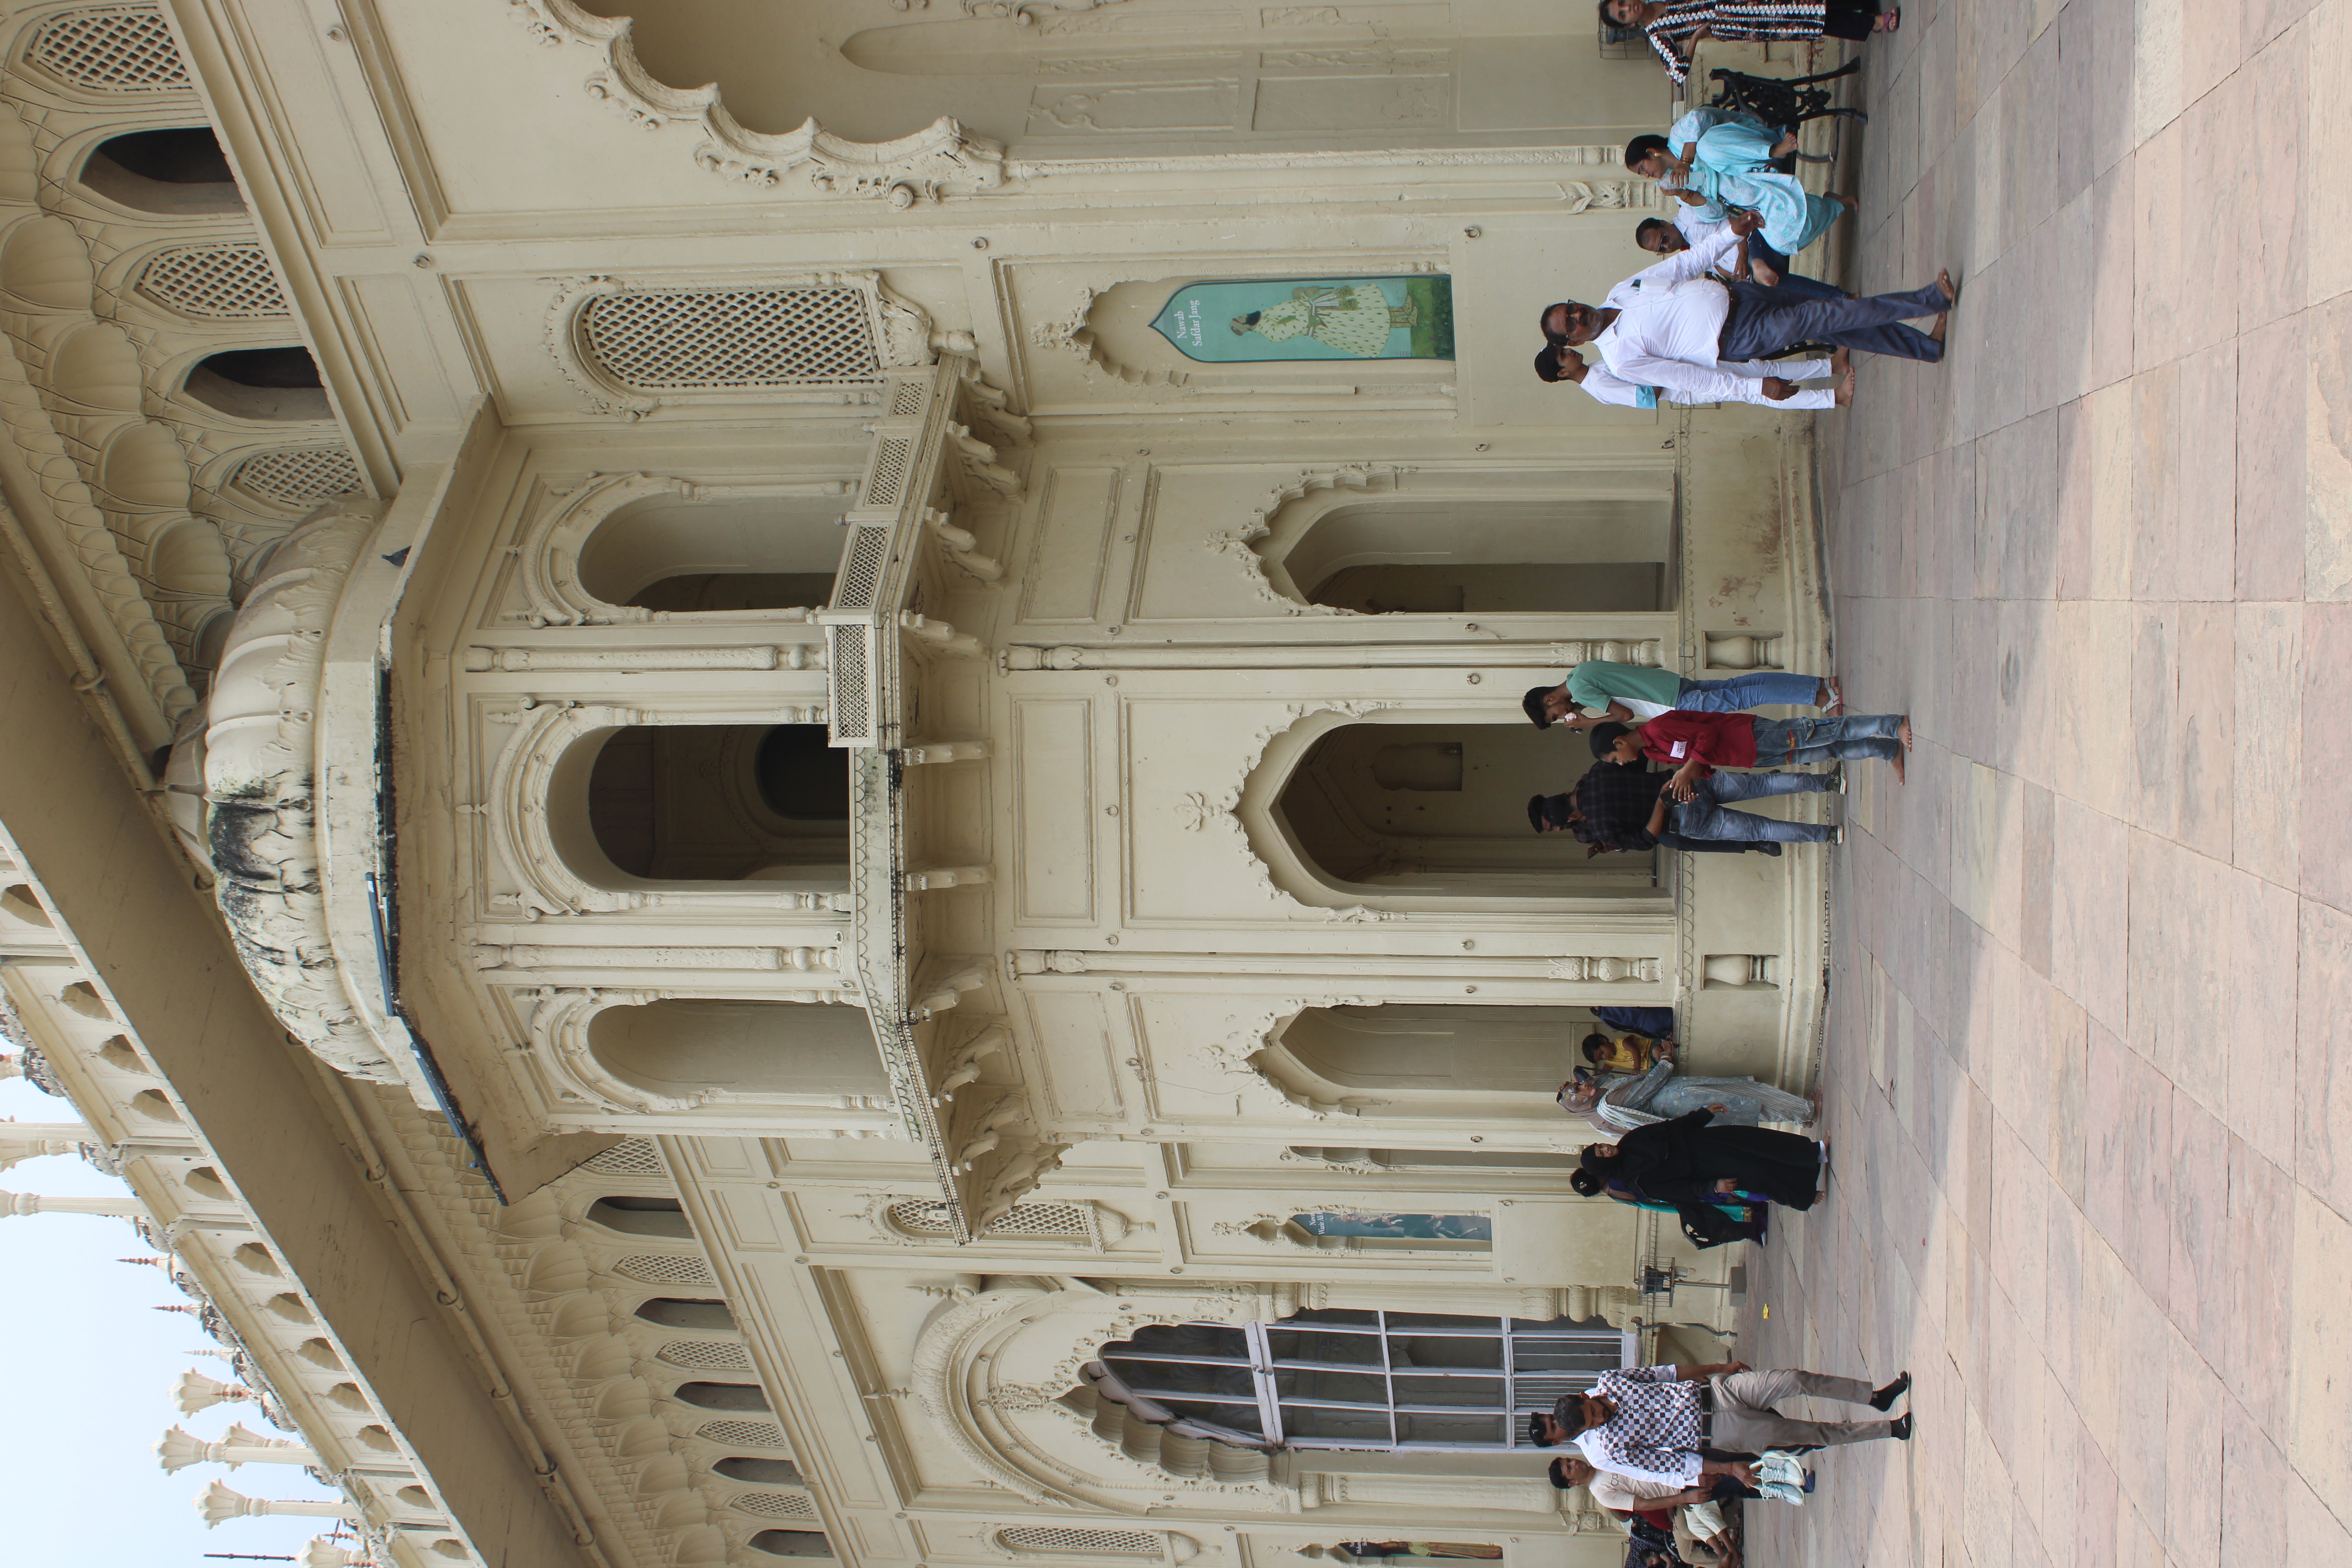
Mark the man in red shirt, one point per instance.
(1696, 744)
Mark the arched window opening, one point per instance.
(1409, 555)
(717, 802)
(1346, 1378)
(791, 1544)
(1442, 809)
(725, 1396)
(760, 1472)
(643, 1217)
(274, 384)
(1409, 1059)
(686, 1045)
(177, 172)
(682, 556)
(677, 1312)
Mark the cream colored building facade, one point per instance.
(801, 823)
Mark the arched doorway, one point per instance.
(684, 1046)
(670, 552)
(718, 802)
(1405, 554)
(1439, 810)
(1445, 1061)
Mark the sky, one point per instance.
(86, 1390)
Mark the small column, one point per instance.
(197, 1392)
(325, 1552)
(178, 1449)
(217, 1503)
(32, 1139)
(32, 1203)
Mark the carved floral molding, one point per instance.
(939, 160)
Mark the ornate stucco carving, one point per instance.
(258, 763)
(992, 1368)
(1242, 543)
(939, 160)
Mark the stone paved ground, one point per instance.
(2089, 1073)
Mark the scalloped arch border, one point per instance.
(937, 160)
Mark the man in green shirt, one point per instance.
(1598, 692)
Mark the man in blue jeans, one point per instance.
(1769, 267)
(1600, 692)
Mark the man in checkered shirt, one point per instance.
(1678, 1423)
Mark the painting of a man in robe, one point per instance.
(1295, 319)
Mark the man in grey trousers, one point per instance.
(1676, 1423)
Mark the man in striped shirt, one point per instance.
(1671, 27)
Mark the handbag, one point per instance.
(1706, 1225)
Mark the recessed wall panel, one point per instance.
(1054, 806)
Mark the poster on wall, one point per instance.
(1398, 1227)
(1231, 321)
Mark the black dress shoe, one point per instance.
(1900, 1427)
(1886, 1397)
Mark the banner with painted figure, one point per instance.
(1232, 322)
(1397, 1227)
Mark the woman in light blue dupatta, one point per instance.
(1730, 164)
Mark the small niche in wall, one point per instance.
(177, 172)
(206, 1183)
(272, 384)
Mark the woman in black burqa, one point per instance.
(1687, 1161)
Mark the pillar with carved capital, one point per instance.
(178, 1448)
(217, 1503)
(21, 1140)
(34, 1203)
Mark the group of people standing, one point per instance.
(1665, 1446)
(1712, 322)
(1635, 714)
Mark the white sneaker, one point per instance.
(1839, 777)
(1837, 834)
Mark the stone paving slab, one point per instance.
(2088, 1073)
